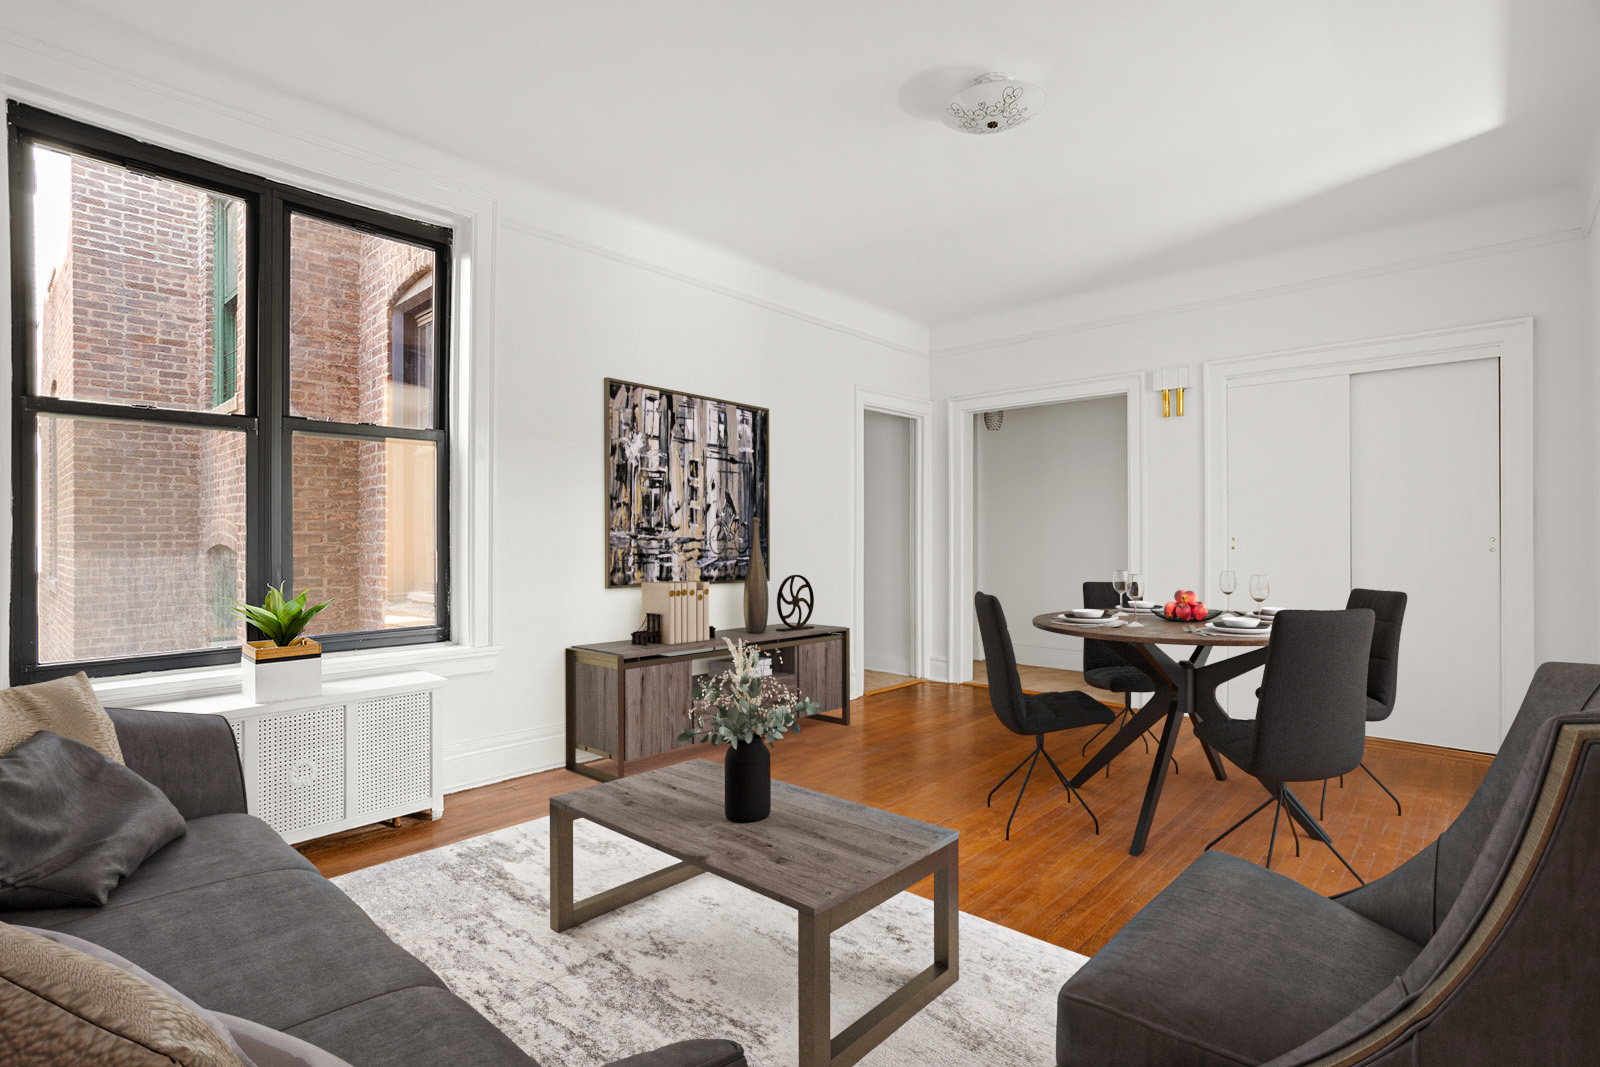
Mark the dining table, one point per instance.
(1182, 687)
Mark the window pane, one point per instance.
(365, 532)
(141, 538)
(139, 287)
(361, 337)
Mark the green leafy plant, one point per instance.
(280, 620)
(738, 705)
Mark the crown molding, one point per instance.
(75, 105)
(1571, 233)
(594, 248)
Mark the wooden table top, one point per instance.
(717, 646)
(812, 853)
(1155, 631)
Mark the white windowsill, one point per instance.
(136, 690)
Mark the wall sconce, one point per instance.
(1171, 383)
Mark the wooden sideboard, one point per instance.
(628, 701)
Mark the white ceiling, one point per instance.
(804, 135)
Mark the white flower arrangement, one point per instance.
(739, 705)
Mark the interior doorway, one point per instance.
(1050, 512)
(888, 527)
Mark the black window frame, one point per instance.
(263, 346)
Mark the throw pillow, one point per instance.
(65, 706)
(211, 1018)
(59, 1005)
(73, 824)
(256, 1045)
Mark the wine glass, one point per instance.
(1260, 589)
(1119, 582)
(1228, 583)
(1135, 592)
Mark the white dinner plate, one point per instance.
(1089, 622)
(1225, 631)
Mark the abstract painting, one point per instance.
(686, 480)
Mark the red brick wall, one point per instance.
(130, 514)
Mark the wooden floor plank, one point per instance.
(932, 751)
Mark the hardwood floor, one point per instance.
(882, 681)
(932, 751)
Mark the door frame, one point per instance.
(1511, 342)
(920, 413)
(960, 532)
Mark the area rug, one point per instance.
(704, 958)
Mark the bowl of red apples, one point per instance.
(1185, 606)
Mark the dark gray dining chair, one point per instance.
(1383, 669)
(1311, 719)
(1104, 669)
(1029, 714)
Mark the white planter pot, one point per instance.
(270, 673)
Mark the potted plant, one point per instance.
(747, 712)
(285, 665)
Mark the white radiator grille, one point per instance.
(394, 753)
(300, 768)
(238, 735)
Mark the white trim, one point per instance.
(959, 533)
(594, 248)
(471, 216)
(157, 687)
(885, 665)
(920, 412)
(484, 760)
(1511, 342)
(1246, 296)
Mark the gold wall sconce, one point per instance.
(1171, 382)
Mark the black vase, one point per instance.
(747, 782)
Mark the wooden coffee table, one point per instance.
(831, 860)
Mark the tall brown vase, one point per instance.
(755, 585)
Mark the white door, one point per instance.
(1425, 518)
(1288, 500)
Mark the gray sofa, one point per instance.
(1483, 949)
(243, 924)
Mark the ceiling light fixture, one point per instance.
(993, 104)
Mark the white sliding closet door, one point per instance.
(1288, 500)
(1425, 518)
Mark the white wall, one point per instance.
(885, 640)
(555, 296)
(1525, 258)
(1050, 496)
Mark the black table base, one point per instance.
(1183, 687)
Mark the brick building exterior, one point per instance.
(142, 535)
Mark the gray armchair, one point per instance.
(1480, 950)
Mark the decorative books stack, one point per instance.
(684, 608)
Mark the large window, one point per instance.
(220, 383)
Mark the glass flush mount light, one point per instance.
(994, 103)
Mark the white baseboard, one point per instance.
(494, 759)
(886, 664)
(1047, 655)
(939, 669)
